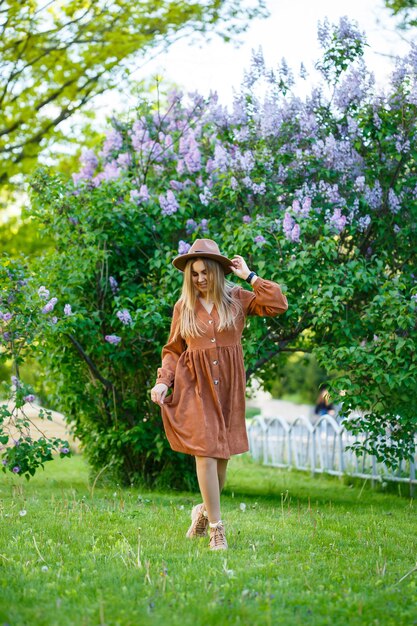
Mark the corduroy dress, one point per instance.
(205, 414)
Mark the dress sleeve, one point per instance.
(266, 299)
(171, 352)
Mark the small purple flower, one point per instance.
(16, 469)
(135, 195)
(183, 247)
(29, 398)
(114, 141)
(124, 316)
(246, 219)
(67, 309)
(168, 204)
(6, 336)
(49, 306)
(64, 450)
(15, 381)
(7, 316)
(206, 196)
(113, 284)
(290, 228)
(74, 221)
(114, 339)
(204, 226)
(414, 297)
(54, 319)
(175, 185)
(124, 159)
(43, 292)
(190, 226)
(338, 221)
(260, 240)
(4, 462)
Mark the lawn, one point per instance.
(301, 551)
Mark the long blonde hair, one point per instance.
(219, 291)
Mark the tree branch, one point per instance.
(93, 368)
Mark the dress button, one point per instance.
(210, 321)
(212, 340)
(215, 362)
(216, 382)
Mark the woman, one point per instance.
(203, 361)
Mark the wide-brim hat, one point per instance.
(204, 248)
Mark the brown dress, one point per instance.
(205, 414)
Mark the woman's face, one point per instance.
(199, 275)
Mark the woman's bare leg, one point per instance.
(209, 483)
(221, 472)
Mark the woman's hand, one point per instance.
(239, 267)
(158, 393)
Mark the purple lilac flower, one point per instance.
(73, 220)
(7, 316)
(6, 336)
(89, 162)
(29, 398)
(168, 204)
(204, 226)
(113, 284)
(16, 469)
(4, 462)
(206, 196)
(54, 319)
(397, 229)
(337, 220)
(393, 202)
(234, 184)
(124, 316)
(15, 381)
(176, 185)
(124, 159)
(374, 196)
(414, 297)
(288, 225)
(259, 240)
(111, 171)
(64, 450)
(139, 134)
(246, 219)
(43, 292)
(49, 307)
(183, 247)
(221, 158)
(67, 309)
(134, 195)
(364, 222)
(113, 142)
(190, 152)
(303, 72)
(190, 226)
(114, 339)
(360, 183)
(144, 193)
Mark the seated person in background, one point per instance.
(323, 404)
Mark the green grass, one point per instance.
(305, 551)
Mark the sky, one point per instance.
(290, 32)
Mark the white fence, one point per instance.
(319, 448)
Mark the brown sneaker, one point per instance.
(218, 538)
(199, 522)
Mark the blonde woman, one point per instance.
(203, 362)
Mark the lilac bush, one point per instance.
(319, 193)
(24, 320)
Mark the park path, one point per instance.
(57, 427)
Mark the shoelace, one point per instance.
(202, 523)
(217, 538)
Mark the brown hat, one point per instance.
(206, 248)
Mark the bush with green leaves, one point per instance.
(25, 315)
(318, 193)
